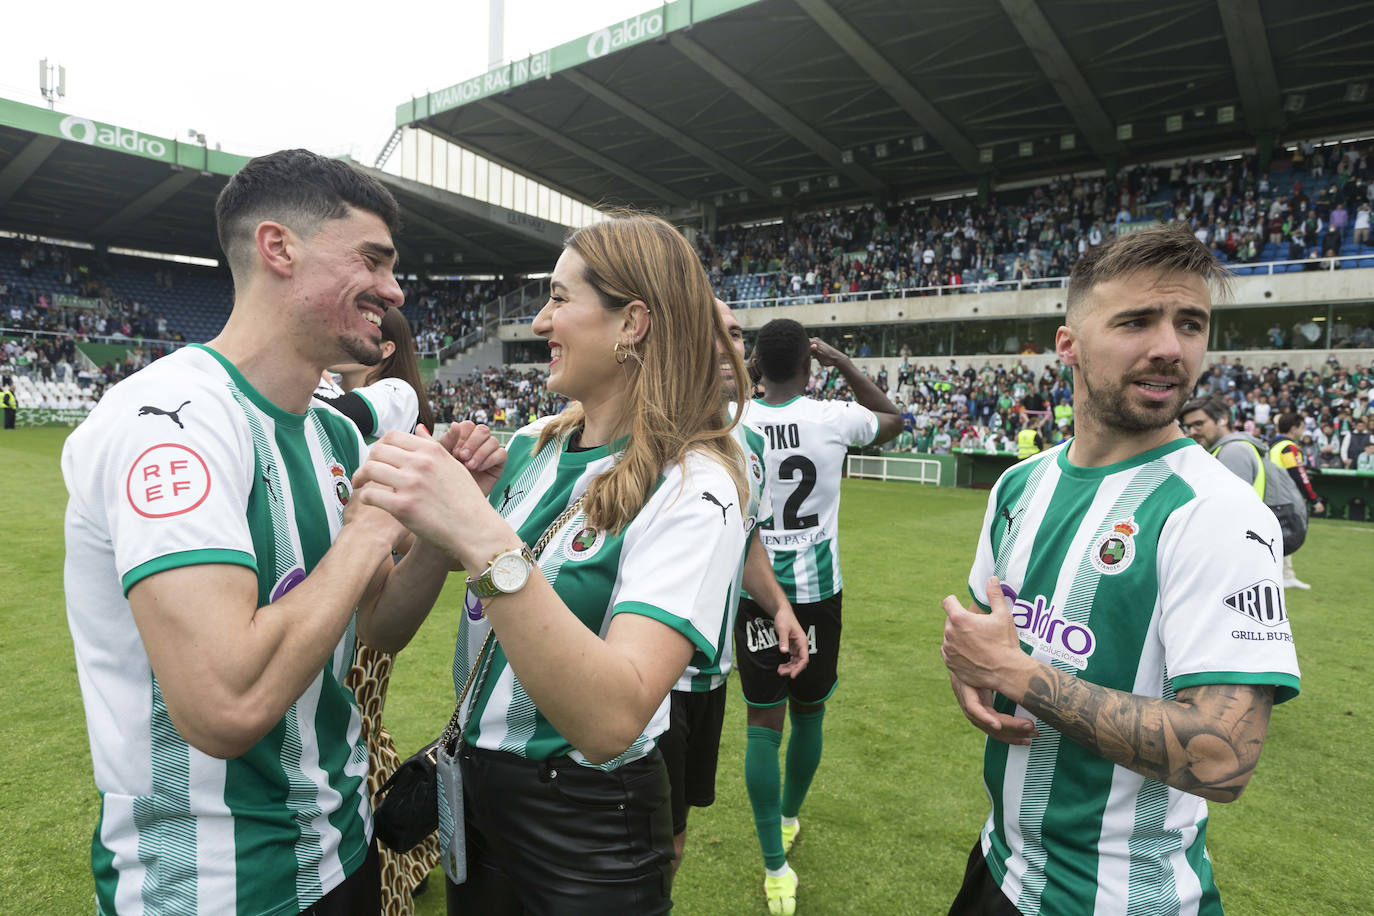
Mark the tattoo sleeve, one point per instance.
(1207, 741)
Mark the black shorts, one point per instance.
(690, 747)
(758, 658)
(554, 837)
(980, 894)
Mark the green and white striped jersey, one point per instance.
(184, 464)
(702, 679)
(1150, 575)
(674, 562)
(806, 442)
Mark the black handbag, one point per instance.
(406, 807)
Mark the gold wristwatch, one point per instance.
(508, 572)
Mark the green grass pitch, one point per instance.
(897, 802)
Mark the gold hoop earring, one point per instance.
(621, 355)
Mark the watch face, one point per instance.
(509, 572)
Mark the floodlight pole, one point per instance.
(52, 90)
(496, 34)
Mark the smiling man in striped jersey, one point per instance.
(1128, 638)
(219, 565)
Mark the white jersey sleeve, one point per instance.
(393, 403)
(853, 423)
(682, 552)
(165, 464)
(1223, 613)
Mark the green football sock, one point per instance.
(761, 779)
(803, 756)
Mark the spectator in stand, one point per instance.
(1366, 461)
(1353, 443)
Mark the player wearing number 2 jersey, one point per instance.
(1135, 638)
(805, 443)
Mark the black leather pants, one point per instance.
(552, 838)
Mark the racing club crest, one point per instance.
(585, 544)
(1113, 552)
(755, 468)
(339, 477)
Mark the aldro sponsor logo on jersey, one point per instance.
(1113, 552)
(1041, 626)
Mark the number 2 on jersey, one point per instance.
(787, 471)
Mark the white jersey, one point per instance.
(806, 442)
(1148, 576)
(390, 403)
(183, 464)
(699, 678)
(674, 562)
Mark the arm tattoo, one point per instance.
(1206, 742)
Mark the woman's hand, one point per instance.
(478, 450)
(421, 484)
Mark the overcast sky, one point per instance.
(260, 76)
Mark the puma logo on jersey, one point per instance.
(724, 519)
(505, 500)
(1006, 514)
(1268, 545)
(149, 410)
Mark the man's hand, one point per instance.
(792, 642)
(827, 355)
(434, 495)
(981, 649)
(976, 703)
(478, 451)
(370, 518)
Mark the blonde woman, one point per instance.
(567, 798)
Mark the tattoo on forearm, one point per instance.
(1207, 741)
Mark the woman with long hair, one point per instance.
(633, 493)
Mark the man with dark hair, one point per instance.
(218, 568)
(1127, 638)
(806, 442)
(1208, 421)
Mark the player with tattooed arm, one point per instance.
(1128, 638)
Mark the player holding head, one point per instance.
(219, 566)
(1124, 561)
(806, 442)
(691, 745)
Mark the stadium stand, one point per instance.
(1284, 220)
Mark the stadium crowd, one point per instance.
(1311, 206)
(88, 305)
(442, 311)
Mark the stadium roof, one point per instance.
(753, 105)
(75, 178)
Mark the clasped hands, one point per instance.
(436, 489)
